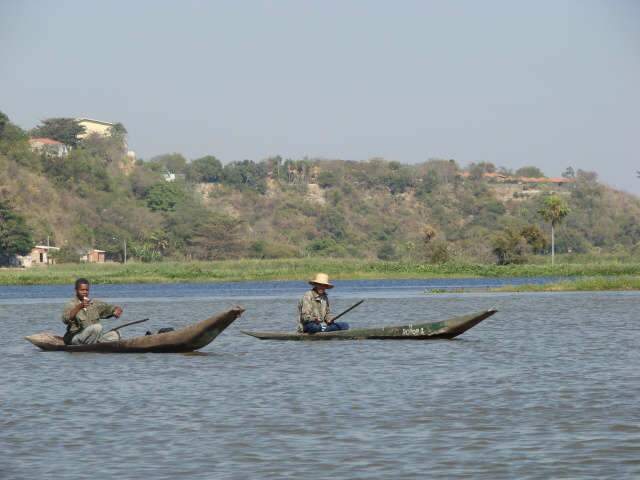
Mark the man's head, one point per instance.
(82, 288)
(321, 282)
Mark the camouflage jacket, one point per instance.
(85, 317)
(313, 306)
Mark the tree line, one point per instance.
(434, 211)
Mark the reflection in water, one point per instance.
(536, 391)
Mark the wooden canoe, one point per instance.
(187, 339)
(424, 331)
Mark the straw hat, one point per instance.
(322, 280)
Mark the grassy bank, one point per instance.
(588, 284)
(294, 269)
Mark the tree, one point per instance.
(15, 236)
(476, 171)
(530, 172)
(79, 171)
(4, 121)
(535, 238)
(65, 130)
(118, 130)
(9, 131)
(509, 246)
(569, 173)
(246, 174)
(428, 233)
(110, 149)
(165, 196)
(387, 252)
(329, 178)
(205, 235)
(171, 162)
(206, 170)
(554, 210)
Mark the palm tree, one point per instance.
(554, 210)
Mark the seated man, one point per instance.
(314, 311)
(82, 317)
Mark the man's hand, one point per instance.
(85, 302)
(329, 321)
(117, 312)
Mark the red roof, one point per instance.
(46, 141)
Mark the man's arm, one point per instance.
(70, 312)
(327, 315)
(106, 311)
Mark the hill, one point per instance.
(171, 208)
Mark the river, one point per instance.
(546, 388)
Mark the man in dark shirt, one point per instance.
(82, 317)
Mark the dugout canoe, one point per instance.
(187, 339)
(423, 331)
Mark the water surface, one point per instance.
(546, 388)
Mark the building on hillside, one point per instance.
(94, 126)
(39, 255)
(93, 256)
(100, 127)
(172, 177)
(496, 176)
(49, 147)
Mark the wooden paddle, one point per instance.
(346, 311)
(127, 324)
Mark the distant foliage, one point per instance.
(554, 209)
(510, 247)
(533, 172)
(246, 174)
(79, 171)
(434, 212)
(65, 130)
(204, 170)
(170, 162)
(66, 254)
(10, 133)
(569, 173)
(535, 237)
(15, 236)
(165, 196)
(387, 252)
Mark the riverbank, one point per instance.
(303, 269)
(588, 284)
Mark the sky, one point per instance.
(545, 83)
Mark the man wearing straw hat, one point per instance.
(313, 308)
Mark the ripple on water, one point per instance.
(535, 392)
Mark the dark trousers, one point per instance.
(317, 327)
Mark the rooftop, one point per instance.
(46, 141)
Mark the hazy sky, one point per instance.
(545, 83)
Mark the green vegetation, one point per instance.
(65, 130)
(620, 283)
(553, 210)
(293, 269)
(434, 217)
(15, 237)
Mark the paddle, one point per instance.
(346, 311)
(127, 324)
